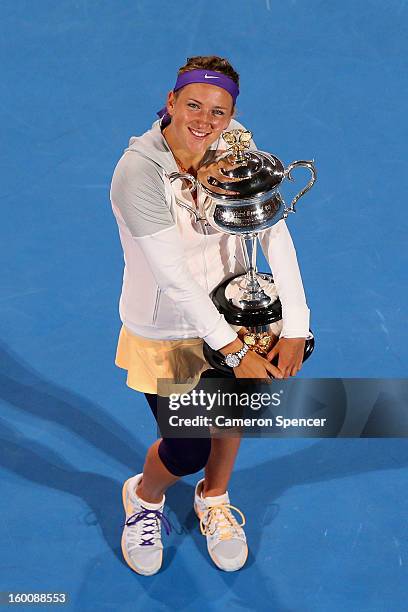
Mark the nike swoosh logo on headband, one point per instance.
(208, 76)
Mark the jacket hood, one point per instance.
(153, 145)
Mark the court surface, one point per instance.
(326, 519)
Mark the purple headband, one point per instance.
(210, 77)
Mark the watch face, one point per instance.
(232, 361)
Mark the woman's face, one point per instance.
(199, 114)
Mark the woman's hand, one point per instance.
(252, 365)
(290, 352)
(255, 366)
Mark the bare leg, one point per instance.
(156, 477)
(219, 466)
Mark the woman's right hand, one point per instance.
(254, 366)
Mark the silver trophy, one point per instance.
(239, 194)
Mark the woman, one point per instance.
(172, 263)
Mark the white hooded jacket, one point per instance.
(173, 262)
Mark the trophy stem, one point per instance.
(249, 244)
(253, 296)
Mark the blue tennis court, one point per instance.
(326, 518)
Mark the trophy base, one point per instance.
(238, 292)
(226, 299)
(257, 320)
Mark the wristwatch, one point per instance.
(234, 359)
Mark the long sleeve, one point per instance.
(167, 262)
(138, 193)
(277, 246)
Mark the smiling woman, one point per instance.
(199, 108)
(199, 114)
(173, 262)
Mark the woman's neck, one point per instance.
(184, 159)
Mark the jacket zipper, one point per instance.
(156, 305)
(203, 224)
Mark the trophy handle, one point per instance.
(288, 174)
(173, 176)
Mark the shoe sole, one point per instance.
(235, 569)
(124, 553)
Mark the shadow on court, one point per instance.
(26, 390)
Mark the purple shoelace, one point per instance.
(149, 529)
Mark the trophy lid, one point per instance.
(239, 174)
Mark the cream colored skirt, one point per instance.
(179, 362)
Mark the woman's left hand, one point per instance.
(290, 352)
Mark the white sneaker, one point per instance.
(226, 541)
(142, 547)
